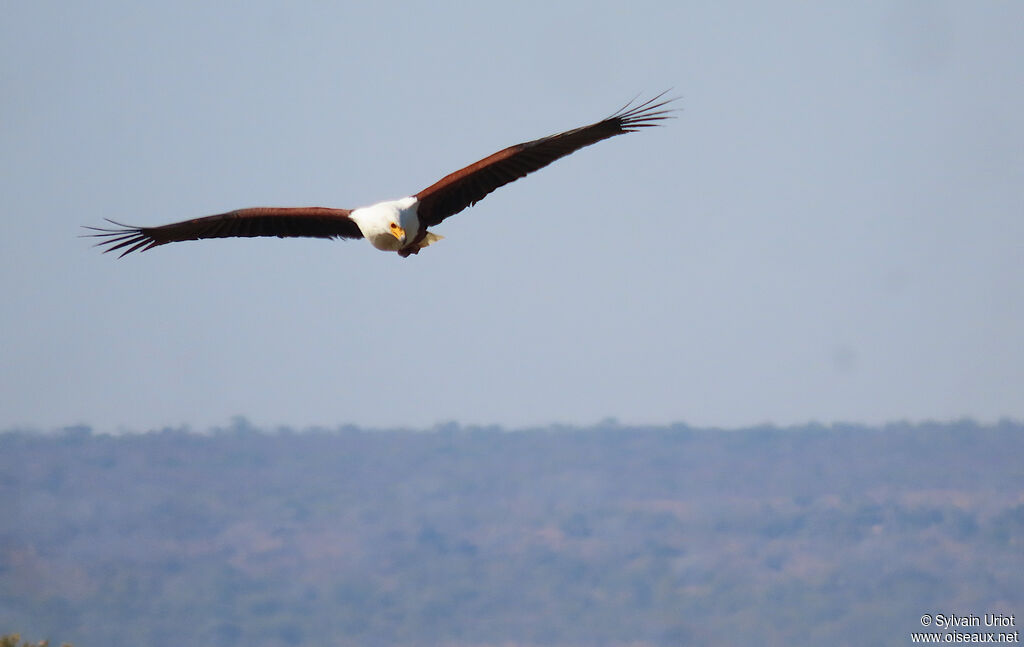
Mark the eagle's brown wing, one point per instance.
(282, 222)
(467, 186)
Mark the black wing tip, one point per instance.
(130, 236)
(647, 113)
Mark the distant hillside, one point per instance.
(461, 536)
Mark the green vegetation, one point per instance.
(464, 536)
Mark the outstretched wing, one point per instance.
(283, 222)
(467, 186)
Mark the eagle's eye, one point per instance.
(394, 225)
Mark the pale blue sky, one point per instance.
(831, 230)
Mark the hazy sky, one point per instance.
(832, 229)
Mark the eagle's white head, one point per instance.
(389, 225)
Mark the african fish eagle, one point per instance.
(393, 225)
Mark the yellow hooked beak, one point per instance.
(398, 232)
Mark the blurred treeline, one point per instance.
(606, 535)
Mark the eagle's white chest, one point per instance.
(376, 223)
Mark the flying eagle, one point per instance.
(393, 225)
